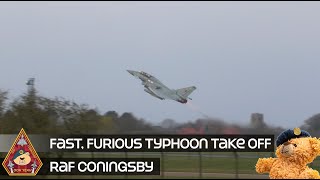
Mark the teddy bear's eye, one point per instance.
(295, 145)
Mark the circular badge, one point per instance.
(297, 131)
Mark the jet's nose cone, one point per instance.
(131, 72)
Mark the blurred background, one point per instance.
(42, 115)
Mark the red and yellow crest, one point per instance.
(22, 159)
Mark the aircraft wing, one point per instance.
(152, 93)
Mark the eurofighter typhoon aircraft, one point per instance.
(155, 88)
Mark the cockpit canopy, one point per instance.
(145, 74)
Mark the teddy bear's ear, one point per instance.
(315, 144)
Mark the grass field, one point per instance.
(189, 162)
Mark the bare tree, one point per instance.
(312, 125)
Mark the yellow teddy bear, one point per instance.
(295, 149)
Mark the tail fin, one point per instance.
(185, 92)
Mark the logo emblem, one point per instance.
(22, 159)
(297, 131)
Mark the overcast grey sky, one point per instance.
(243, 57)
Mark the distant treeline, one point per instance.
(38, 114)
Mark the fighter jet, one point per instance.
(155, 88)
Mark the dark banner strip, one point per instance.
(88, 166)
(159, 143)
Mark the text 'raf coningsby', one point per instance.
(101, 166)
